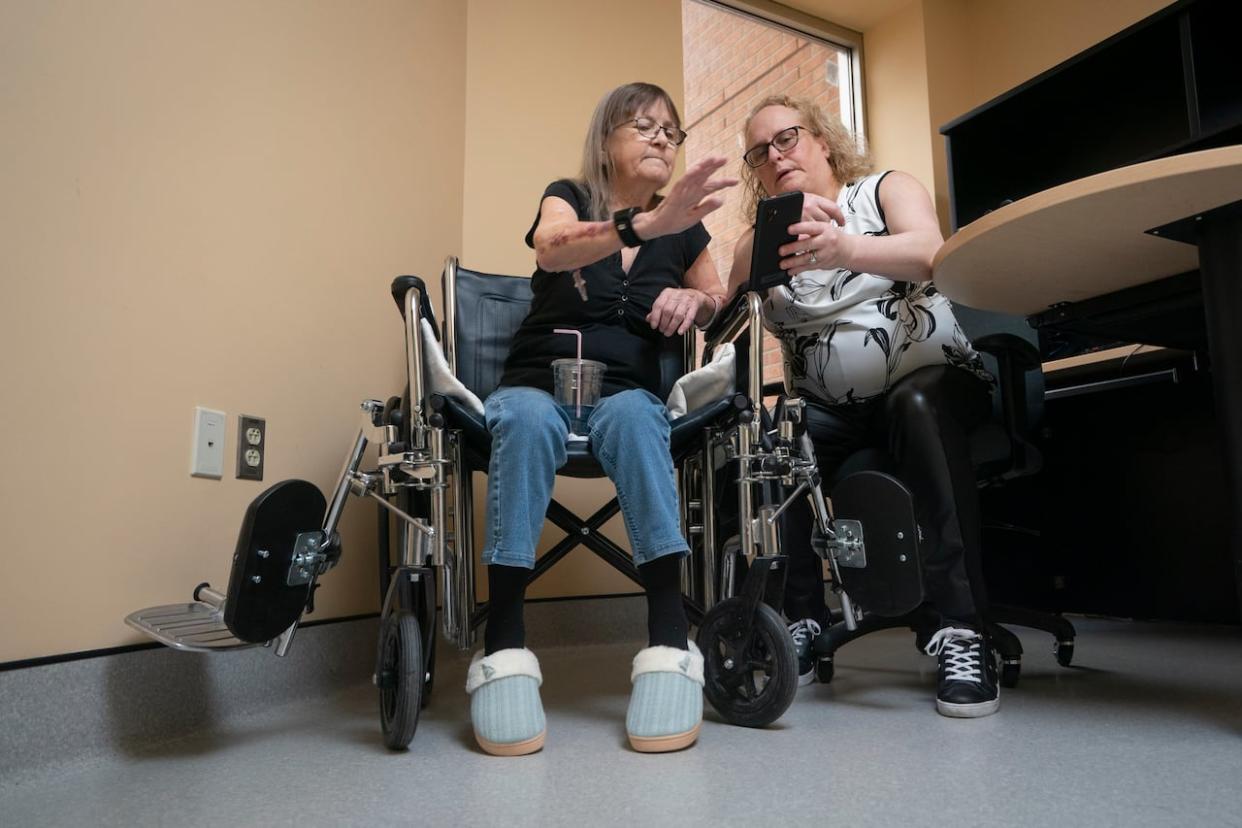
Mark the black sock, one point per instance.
(666, 615)
(506, 628)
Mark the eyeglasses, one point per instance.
(648, 128)
(785, 140)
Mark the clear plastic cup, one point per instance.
(567, 381)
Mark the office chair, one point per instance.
(1001, 451)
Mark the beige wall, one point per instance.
(1014, 40)
(534, 73)
(951, 81)
(258, 174)
(203, 203)
(895, 100)
(934, 60)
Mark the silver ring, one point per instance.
(813, 259)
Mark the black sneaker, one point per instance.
(967, 685)
(804, 633)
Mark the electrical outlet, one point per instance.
(251, 447)
(207, 456)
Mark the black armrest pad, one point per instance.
(726, 313)
(401, 285)
(1023, 353)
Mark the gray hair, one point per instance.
(615, 108)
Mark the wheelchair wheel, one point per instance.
(399, 677)
(1065, 652)
(749, 683)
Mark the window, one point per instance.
(732, 60)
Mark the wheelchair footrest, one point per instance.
(885, 577)
(195, 626)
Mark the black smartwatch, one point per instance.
(623, 220)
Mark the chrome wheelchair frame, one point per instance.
(750, 664)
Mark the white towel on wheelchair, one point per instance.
(704, 385)
(694, 390)
(440, 379)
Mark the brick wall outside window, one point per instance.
(732, 62)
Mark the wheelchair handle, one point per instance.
(746, 311)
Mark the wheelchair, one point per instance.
(432, 438)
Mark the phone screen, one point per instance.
(772, 219)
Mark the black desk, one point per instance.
(1070, 245)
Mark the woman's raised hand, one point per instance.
(689, 200)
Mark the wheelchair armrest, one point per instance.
(712, 333)
(401, 285)
(744, 312)
(687, 431)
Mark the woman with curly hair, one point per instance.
(877, 354)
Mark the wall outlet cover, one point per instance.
(251, 447)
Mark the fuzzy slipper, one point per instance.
(505, 708)
(666, 704)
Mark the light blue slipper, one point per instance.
(666, 704)
(505, 707)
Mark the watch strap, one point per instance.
(623, 220)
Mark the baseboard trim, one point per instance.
(103, 652)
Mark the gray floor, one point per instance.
(1146, 731)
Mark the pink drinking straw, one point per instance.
(578, 386)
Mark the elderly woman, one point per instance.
(876, 352)
(625, 267)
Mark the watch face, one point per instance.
(253, 435)
(252, 456)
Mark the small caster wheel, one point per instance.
(824, 670)
(1065, 652)
(750, 683)
(399, 675)
(1011, 669)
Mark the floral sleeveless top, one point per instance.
(847, 337)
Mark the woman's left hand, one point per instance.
(676, 309)
(821, 245)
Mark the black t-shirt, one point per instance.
(612, 320)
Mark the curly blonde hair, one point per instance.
(847, 156)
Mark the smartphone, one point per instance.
(772, 220)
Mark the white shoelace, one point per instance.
(799, 630)
(962, 662)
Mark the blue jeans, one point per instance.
(629, 436)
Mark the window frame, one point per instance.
(805, 25)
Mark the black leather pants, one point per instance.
(919, 433)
